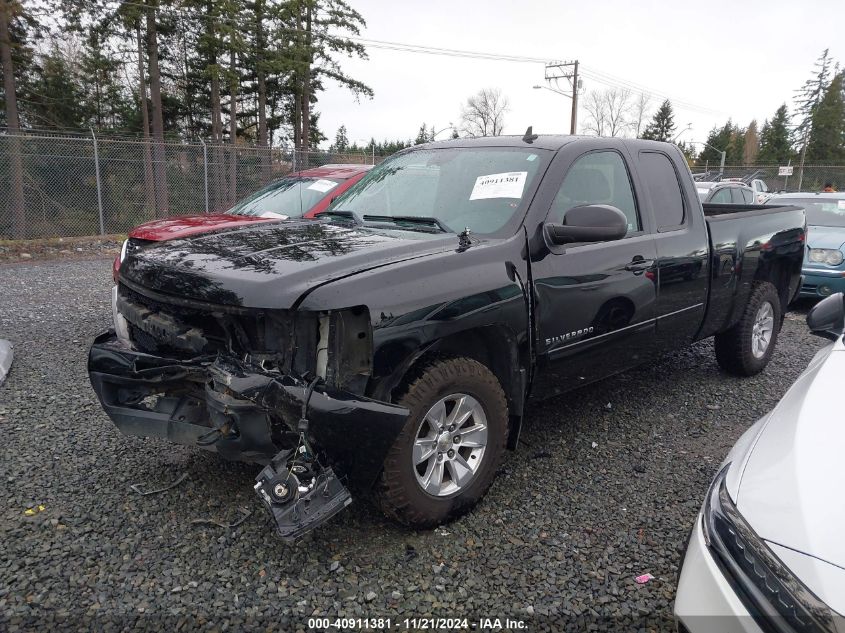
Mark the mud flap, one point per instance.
(299, 493)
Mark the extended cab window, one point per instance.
(597, 178)
(664, 190)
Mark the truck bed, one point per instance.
(745, 241)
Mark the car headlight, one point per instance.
(123, 250)
(776, 598)
(830, 256)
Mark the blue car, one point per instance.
(824, 261)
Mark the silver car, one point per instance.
(767, 552)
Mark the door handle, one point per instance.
(638, 265)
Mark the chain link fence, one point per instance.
(75, 185)
(808, 178)
(54, 185)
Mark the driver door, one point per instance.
(595, 302)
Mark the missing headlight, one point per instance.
(345, 348)
(773, 595)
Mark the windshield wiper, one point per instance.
(341, 214)
(410, 219)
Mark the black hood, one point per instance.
(271, 265)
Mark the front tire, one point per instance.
(446, 457)
(746, 348)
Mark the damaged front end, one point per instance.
(253, 386)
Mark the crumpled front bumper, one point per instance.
(240, 411)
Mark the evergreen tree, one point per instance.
(662, 125)
(57, 99)
(718, 140)
(341, 140)
(314, 55)
(105, 100)
(827, 130)
(736, 146)
(752, 144)
(422, 135)
(807, 97)
(775, 139)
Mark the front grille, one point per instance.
(157, 327)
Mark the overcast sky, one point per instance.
(728, 59)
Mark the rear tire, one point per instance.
(746, 348)
(470, 389)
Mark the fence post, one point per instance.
(99, 186)
(205, 171)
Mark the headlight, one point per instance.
(123, 250)
(830, 256)
(769, 590)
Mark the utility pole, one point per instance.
(573, 119)
(569, 71)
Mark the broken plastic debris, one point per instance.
(31, 512)
(641, 580)
(608, 406)
(136, 487)
(595, 444)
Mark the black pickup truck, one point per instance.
(391, 343)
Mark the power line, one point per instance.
(612, 80)
(598, 76)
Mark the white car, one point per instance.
(767, 552)
(761, 190)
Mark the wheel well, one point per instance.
(777, 272)
(495, 347)
(491, 346)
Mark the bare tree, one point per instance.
(640, 112)
(484, 113)
(596, 120)
(617, 103)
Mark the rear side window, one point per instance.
(736, 195)
(722, 196)
(597, 178)
(664, 190)
(748, 195)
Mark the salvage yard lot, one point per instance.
(604, 487)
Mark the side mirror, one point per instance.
(827, 318)
(589, 223)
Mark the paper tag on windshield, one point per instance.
(322, 185)
(507, 185)
(841, 204)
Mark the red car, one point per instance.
(299, 194)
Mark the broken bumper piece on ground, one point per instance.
(245, 413)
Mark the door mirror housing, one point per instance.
(589, 223)
(827, 318)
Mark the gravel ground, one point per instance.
(604, 487)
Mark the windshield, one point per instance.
(451, 189)
(825, 212)
(285, 198)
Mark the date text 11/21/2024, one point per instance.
(417, 624)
